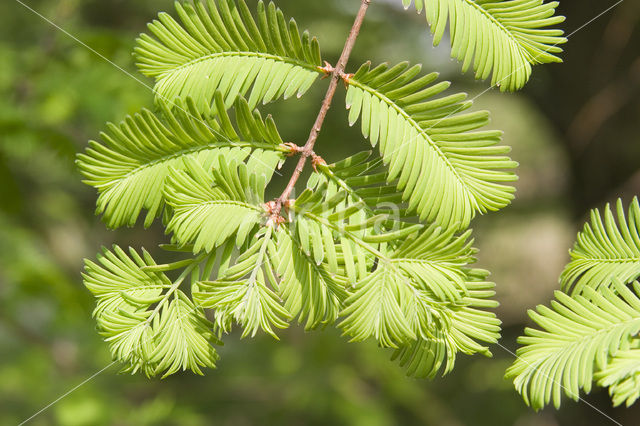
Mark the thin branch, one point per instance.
(337, 73)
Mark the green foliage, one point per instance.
(124, 284)
(47, 225)
(242, 292)
(466, 168)
(604, 250)
(210, 208)
(377, 243)
(223, 47)
(131, 167)
(501, 37)
(591, 333)
(171, 336)
(308, 289)
(457, 329)
(622, 376)
(579, 335)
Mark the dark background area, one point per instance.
(574, 129)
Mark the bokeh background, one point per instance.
(575, 130)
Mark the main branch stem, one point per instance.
(337, 74)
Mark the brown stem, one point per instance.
(337, 74)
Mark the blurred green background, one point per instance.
(575, 129)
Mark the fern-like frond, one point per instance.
(376, 309)
(150, 325)
(130, 167)
(365, 180)
(120, 283)
(578, 336)
(183, 334)
(221, 46)
(622, 376)
(130, 339)
(454, 329)
(209, 207)
(307, 288)
(404, 281)
(334, 226)
(244, 291)
(318, 211)
(505, 37)
(395, 304)
(448, 170)
(605, 250)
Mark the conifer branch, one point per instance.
(337, 73)
(353, 251)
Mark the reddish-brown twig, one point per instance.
(337, 73)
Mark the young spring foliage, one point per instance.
(498, 38)
(591, 331)
(223, 47)
(376, 244)
(428, 142)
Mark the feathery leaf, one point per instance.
(182, 338)
(453, 329)
(173, 336)
(395, 303)
(447, 170)
(622, 376)
(209, 208)
(577, 338)
(222, 47)
(130, 168)
(364, 178)
(307, 288)
(505, 37)
(242, 292)
(605, 250)
(119, 282)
